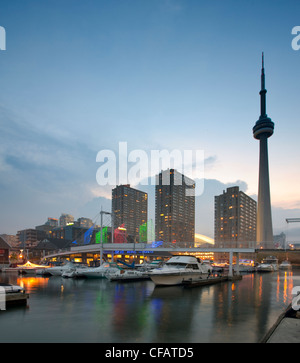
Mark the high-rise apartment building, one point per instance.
(174, 207)
(30, 237)
(129, 210)
(235, 219)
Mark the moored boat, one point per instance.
(245, 266)
(269, 264)
(285, 265)
(100, 271)
(58, 270)
(75, 271)
(180, 268)
(127, 275)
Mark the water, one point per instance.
(86, 310)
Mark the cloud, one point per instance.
(42, 172)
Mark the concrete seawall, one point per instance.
(286, 328)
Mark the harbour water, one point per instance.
(85, 310)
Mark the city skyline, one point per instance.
(81, 77)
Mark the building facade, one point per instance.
(174, 207)
(235, 219)
(65, 219)
(4, 252)
(30, 237)
(129, 212)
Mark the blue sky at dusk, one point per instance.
(78, 77)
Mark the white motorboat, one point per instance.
(10, 289)
(100, 271)
(12, 295)
(58, 270)
(285, 265)
(75, 271)
(180, 268)
(127, 275)
(269, 264)
(147, 266)
(245, 266)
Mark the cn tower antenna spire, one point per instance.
(263, 90)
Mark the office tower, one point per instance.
(235, 219)
(174, 207)
(262, 130)
(129, 211)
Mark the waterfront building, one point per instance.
(30, 237)
(11, 239)
(4, 252)
(262, 130)
(174, 207)
(79, 235)
(235, 220)
(129, 213)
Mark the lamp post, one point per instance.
(101, 236)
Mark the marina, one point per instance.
(99, 310)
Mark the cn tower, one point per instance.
(262, 130)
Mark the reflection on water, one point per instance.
(84, 310)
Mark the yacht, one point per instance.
(285, 265)
(9, 288)
(58, 270)
(180, 268)
(127, 275)
(268, 264)
(74, 271)
(100, 271)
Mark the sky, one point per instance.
(78, 77)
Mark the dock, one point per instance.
(210, 281)
(16, 298)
